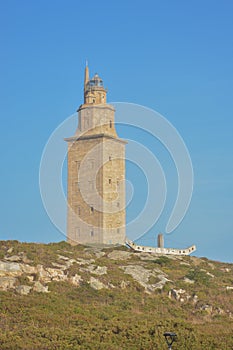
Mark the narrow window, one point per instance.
(110, 124)
(77, 233)
(92, 209)
(109, 181)
(86, 122)
(109, 158)
(92, 233)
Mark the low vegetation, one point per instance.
(124, 312)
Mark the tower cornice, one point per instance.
(99, 106)
(95, 136)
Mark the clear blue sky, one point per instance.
(175, 57)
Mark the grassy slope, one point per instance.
(72, 317)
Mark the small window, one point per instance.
(110, 124)
(78, 210)
(92, 209)
(93, 100)
(109, 181)
(109, 158)
(92, 233)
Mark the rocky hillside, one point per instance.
(60, 297)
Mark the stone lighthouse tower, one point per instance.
(96, 172)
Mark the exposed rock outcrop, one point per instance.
(144, 276)
(23, 289)
(96, 284)
(38, 275)
(94, 269)
(179, 294)
(7, 283)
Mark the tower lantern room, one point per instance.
(94, 91)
